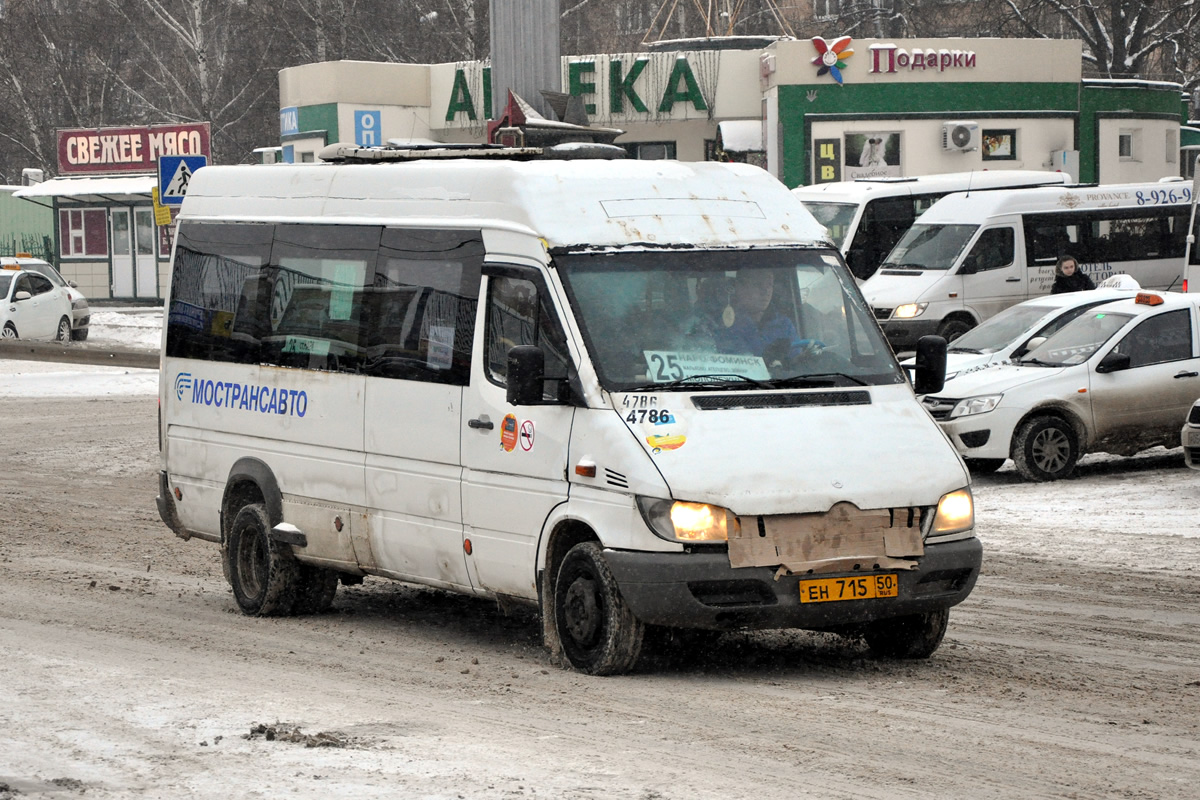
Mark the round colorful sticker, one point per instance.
(508, 432)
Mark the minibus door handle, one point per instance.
(1012, 280)
(483, 423)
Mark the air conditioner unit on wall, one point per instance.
(960, 136)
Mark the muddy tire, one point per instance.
(915, 636)
(316, 587)
(951, 329)
(599, 634)
(263, 573)
(63, 334)
(1045, 449)
(984, 466)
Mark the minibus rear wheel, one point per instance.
(914, 636)
(263, 573)
(599, 633)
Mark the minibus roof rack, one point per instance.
(344, 153)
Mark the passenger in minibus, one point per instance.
(1068, 277)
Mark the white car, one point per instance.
(1189, 437)
(80, 313)
(1008, 335)
(1116, 379)
(33, 307)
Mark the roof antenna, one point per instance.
(970, 178)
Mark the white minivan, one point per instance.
(867, 216)
(975, 254)
(627, 393)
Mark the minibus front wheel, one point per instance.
(599, 633)
(263, 573)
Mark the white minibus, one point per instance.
(975, 254)
(867, 216)
(626, 393)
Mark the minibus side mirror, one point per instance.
(1113, 362)
(526, 370)
(930, 365)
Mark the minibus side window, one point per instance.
(994, 249)
(519, 313)
(422, 305)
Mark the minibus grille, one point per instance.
(721, 402)
(882, 313)
(939, 407)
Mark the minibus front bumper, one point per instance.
(701, 590)
(903, 334)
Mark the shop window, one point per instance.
(83, 232)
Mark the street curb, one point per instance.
(55, 352)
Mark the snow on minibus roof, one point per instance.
(570, 204)
(974, 208)
(857, 191)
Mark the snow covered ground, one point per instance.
(131, 328)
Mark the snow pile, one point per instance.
(137, 329)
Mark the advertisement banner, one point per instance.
(113, 151)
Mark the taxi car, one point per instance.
(32, 307)
(80, 312)
(1189, 437)
(1011, 333)
(1117, 379)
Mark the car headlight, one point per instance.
(909, 310)
(677, 521)
(955, 513)
(975, 405)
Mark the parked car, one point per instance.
(81, 315)
(1010, 334)
(33, 307)
(1190, 437)
(1116, 379)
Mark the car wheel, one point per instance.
(984, 466)
(262, 572)
(64, 331)
(79, 334)
(8, 332)
(951, 329)
(915, 636)
(316, 587)
(599, 634)
(1045, 449)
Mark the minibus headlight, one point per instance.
(677, 521)
(955, 513)
(975, 405)
(909, 310)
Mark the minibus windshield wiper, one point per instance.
(893, 265)
(708, 381)
(815, 379)
(965, 350)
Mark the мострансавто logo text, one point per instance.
(242, 396)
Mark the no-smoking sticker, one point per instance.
(527, 435)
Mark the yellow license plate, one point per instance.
(862, 587)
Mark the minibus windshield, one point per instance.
(929, 247)
(1077, 340)
(836, 217)
(727, 319)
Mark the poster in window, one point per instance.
(999, 145)
(827, 160)
(872, 155)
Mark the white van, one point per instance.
(866, 217)
(628, 393)
(975, 254)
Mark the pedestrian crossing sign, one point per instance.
(174, 174)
